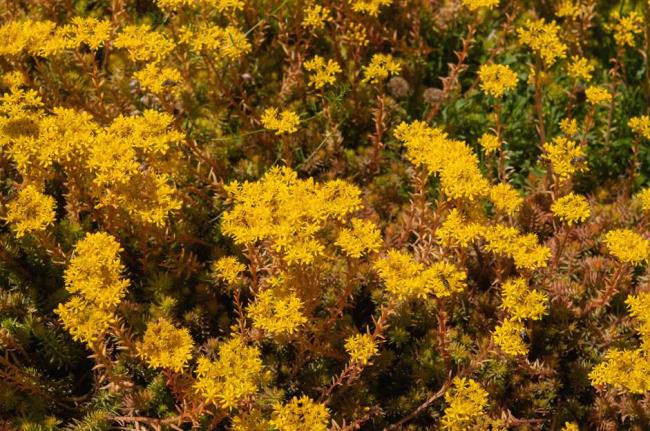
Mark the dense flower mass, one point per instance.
(327, 216)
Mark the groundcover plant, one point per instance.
(291, 215)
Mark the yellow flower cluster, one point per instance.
(506, 198)
(369, 7)
(407, 279)
(361, 347)
(316, 16)
(496, 79)
(30, 211)
(95, 276)
(300, 414)
(629, 370)
(228, 269)
(628, 246)
(644, 197)
(565, 157)
(466, 401)
(323, 71)
(277, 312)
(454, 161)
(234, 376)
(571, 208)
(598, 95)
(523, 249)
(363, 237)
(288, 211)
(580, 68)
(570, 426)
(569, 126)
(381, 66)
(282, 122)
(227, 43)
(457, 231)
(625, 28)
(143, 44)
(567, 9)
(475, 5)
(166, 346)
(490, 143)
(219, 5)
(158, 80)
(521, 303)
(543, 38)
(640, 125)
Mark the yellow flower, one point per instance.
(466, 401)
(524, 249)
(20, 35)
(300, 414)
(83, 320)
(544, 39)
(506, 198)
(95, 271)
(521, 302)
(625, 28)
(457, 231)
(159, 80)
(628, 246)
(282, 122)
(444, 279)
(364, 237)
(571, 208)
(143, 44)
(355, 34)
(508, 337)
(380, 67)
(223, 42)
(496, 79)
(30, 211)
(277, 313)
(370, 7)
(569, 126)
(566, 157)
(623, 369)
(474, 5)
(234, 376)
(316, 16)
(640, 125)
(361, 347)
(570, 426)
(323, 72)
(580, 68)
(490, 143)
(166, 346)
(228, 269)
(567, 9)
(644, 197)
(598, 95)
(640, 310)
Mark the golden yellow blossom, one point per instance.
(508, 337)
(628, 246)
(466, 401)
(323, 71)
(625, 28)
(277, 313)
(380, 67)
(490, 143)
(623, 369)
(570, 426)
(30, 211)
(644, 197)
(159, 80)
(497, 79)
(474, 5)
(580, 68)
(364, 237)
(569, 127)
(143, 44)
(282, 122)
(521, 302)
(234, 376)
(300, 414)
(361, 347)
(25, 35)
(598, 95)
(355, 34)
(544, 39)
(316, 16)
(566, 157)
(523, 249)
(455, 230)
(506, 198)
(228, 269)
(369, 7)
(640, 125)
(571, 208)
(83, 320)
(166, 346)
(568, 9)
